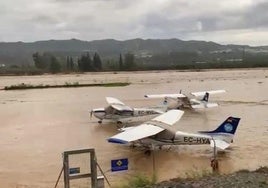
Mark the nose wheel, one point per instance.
(100, 121)
(119, 122)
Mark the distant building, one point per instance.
(221, 51)
(234, 60)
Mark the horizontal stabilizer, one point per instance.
(219, 144)
(170, 117)
(166, 96)
(204, 105)
(202, 93)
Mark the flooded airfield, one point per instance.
(38, 125)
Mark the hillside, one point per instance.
(20, 53)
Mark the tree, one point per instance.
(55, 66)
(69, 64)
(39, 61)
(97, 62)
(129, 61)
(121, 66)
(85, 63)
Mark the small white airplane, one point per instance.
(117, 110)
(159, 132)
(183, 101)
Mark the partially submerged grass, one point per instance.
(205, 178)
(197, 174)
(139, 181)
(67, 84)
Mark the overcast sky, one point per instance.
(222, 21)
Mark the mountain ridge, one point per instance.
(21, 52)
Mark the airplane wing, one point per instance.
(169, 118)
(111, 100)
(147, 129)
(202, 93)
(117, 104)
(136, 133)
(179, 95)
(121, 107)
(220, 144)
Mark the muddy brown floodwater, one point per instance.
(38, 125)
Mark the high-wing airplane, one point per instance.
(117, 110)
(158, 132)
(183, 101)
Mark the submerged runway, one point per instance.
(38, 125)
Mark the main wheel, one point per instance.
(147, 152)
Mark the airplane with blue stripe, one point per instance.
(159, 132)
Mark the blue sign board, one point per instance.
(74, 170)
(119, 164)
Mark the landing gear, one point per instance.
(147, 152)
(119, 122)
(100, 121)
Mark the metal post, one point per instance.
(66, 170)
(93, 167)
(214, 149)
(214, 161)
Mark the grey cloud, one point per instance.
(255, 16)
(44, 19)
(124, 19)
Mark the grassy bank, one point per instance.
(66, 85)
(242, 178)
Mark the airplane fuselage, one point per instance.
(104, 113)
(183, 138)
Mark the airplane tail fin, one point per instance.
(229, 126)
(206, 96)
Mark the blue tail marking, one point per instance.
(228, 126)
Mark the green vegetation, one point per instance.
(242, 178)
(69, 56)
(197, 174)
(67, 84)
(139, 181)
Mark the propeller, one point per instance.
(165, 101)
(91, 112)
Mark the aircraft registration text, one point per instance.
(196, 140)
(141, 112)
